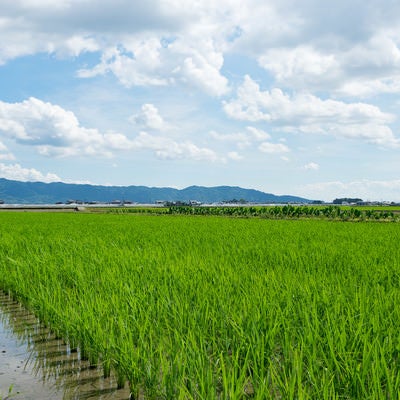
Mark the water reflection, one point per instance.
(51, 369)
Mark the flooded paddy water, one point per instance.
(37, 365)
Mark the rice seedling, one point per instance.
(9, 395)
(216, 308)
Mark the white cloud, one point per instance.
(258, 134)
(228, 137)
(201, 65)
(311, 166)
(242, 139)
(234, 155)
(308, 59)
(190, 52)
(149, 118)
(273, 148)
(371, 67)
(186, 150)
(146, 62)
(18, 173)
(355, 69)
(7, 157)
(47, 26)
(5, 154)
(300, 67)
(55, 131)
(349, 46)
(142, 44)
(75, 45)
(310, 114)
(166, 148)
(250, 137)
(137, 66)
(204, 75)
(264, 23)
(39, 5)
(367, 87)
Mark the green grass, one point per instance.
(212, 307)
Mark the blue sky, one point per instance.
(270, 95)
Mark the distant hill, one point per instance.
(16, 192)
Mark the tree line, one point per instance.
(288, 211)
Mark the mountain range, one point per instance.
(17, 192)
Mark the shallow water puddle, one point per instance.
(39, 366)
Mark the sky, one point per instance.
(283, 96)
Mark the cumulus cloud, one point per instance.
(273, 148)
(234, 155)
(166, 148)
(252, 136)
(18, 173)
(142, 44)
(352, 48)
(360, 69)
(149, 118)
(7, 157)
(258, 134)
(82, 25)
(301, 67)
(55, 131)
(201, 66)
(242, 139)
(147, 62)
(309, 114)
(75, 45)
(263, 24)
(319, 61)
(311, 166)
(5, 154)
(349, 49)
(137, 66)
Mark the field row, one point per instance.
(208, 308)
(342, 213)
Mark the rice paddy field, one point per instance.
(208, 307)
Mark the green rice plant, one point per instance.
(9, 395)
(187, 307)
(332, 212)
